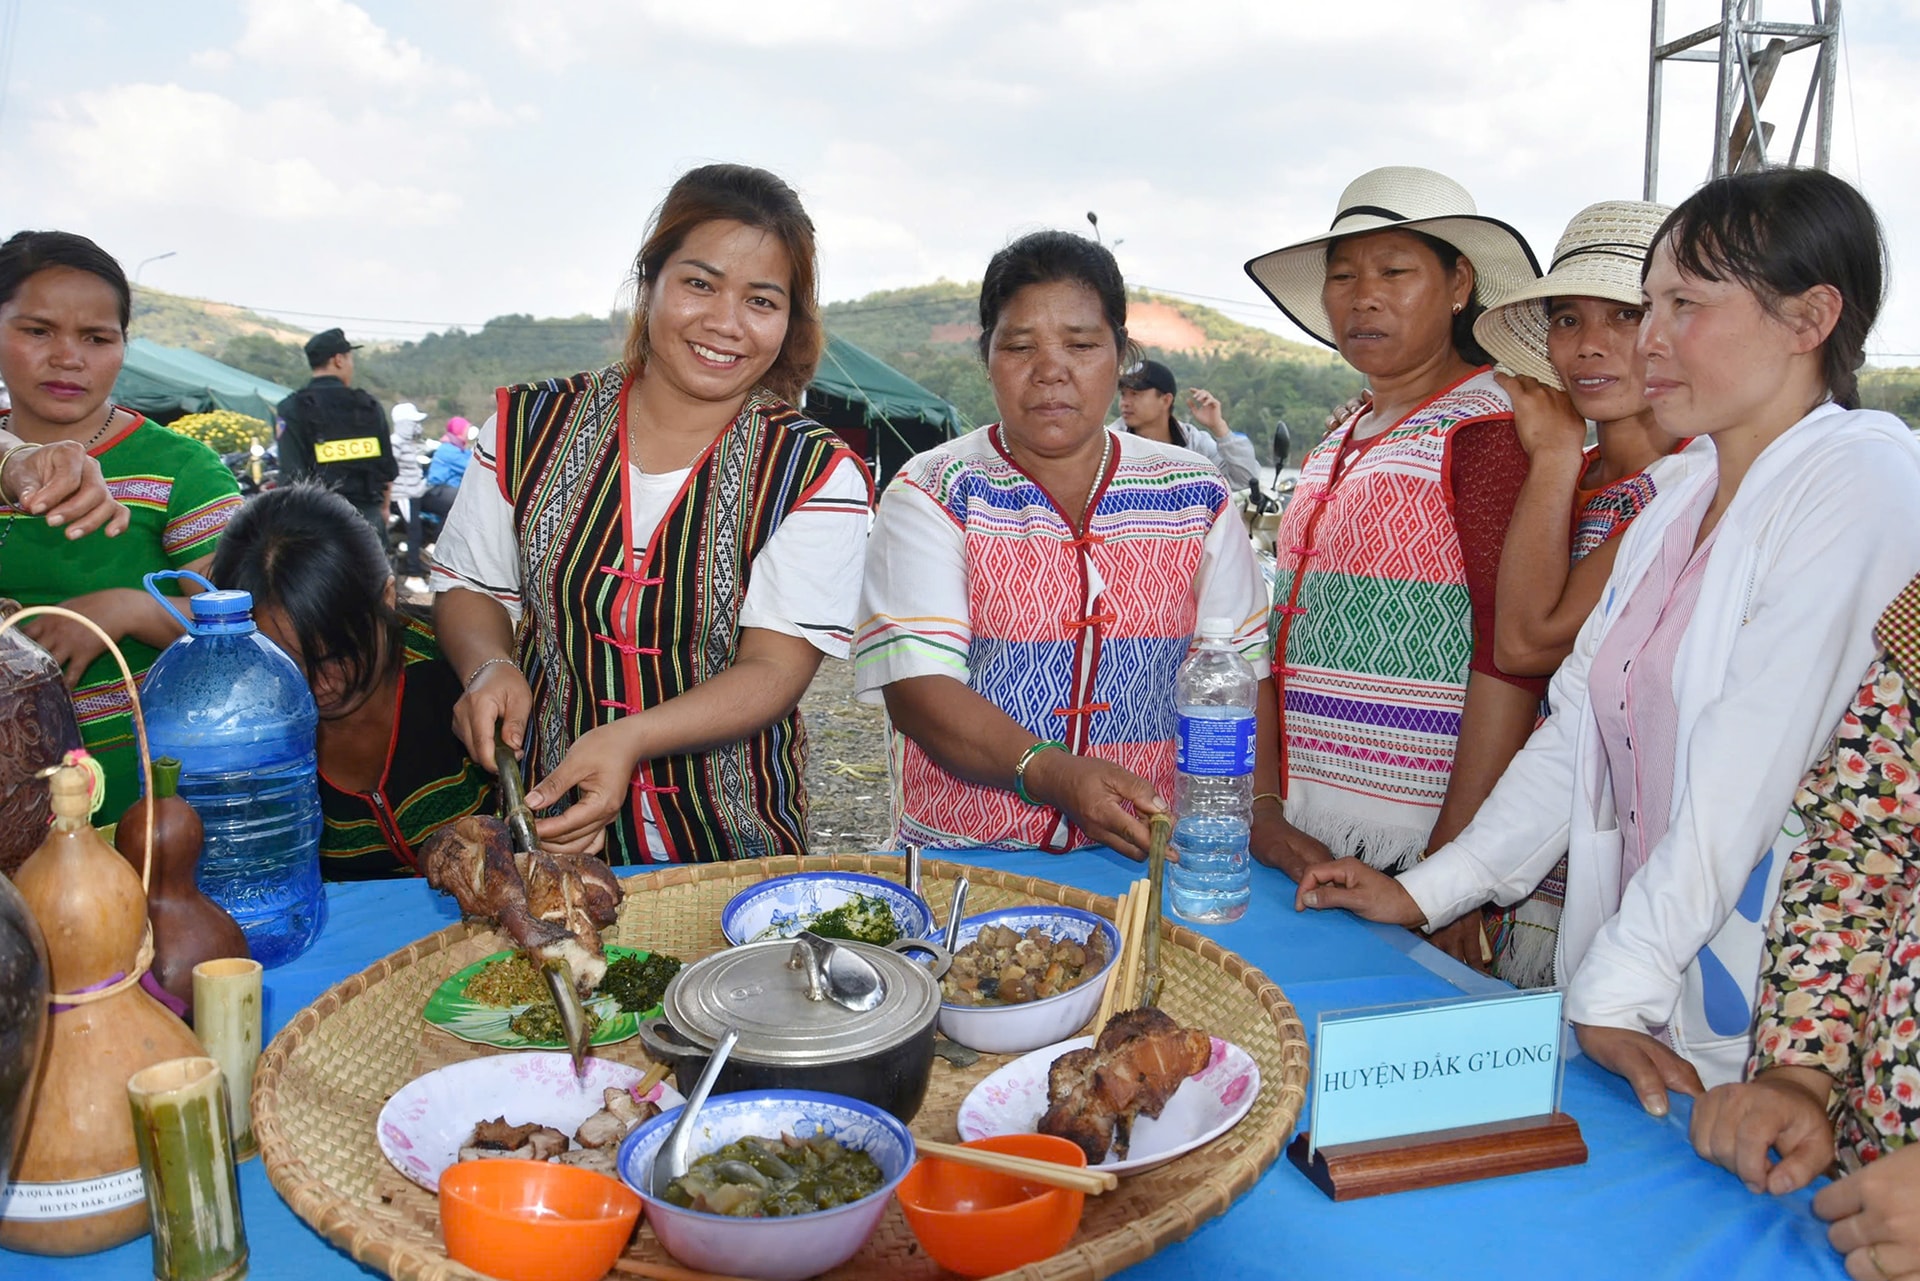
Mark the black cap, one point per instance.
(327, 344)
(1148, 373)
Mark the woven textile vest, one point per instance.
(1372, 630)
(604, 636)
(1075, 636)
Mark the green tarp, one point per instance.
(884, 414)
(167, 382)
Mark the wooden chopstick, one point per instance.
(1072, 1178)
(655, 1074)
(666, 1271)
(1136, 940)
(1116, 981)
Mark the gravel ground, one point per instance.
(847, 786)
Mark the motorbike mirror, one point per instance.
(1282, 443)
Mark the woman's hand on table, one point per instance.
(1781, 1109)
(63, 483)
(1465, 940)
(1365, 891)
(599, 769)
(498, 696)
(1279, 844)
(1102, 799)
(1649, 1066)
(1874, 1215)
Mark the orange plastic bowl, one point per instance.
(979, 1222)
(533, 1221)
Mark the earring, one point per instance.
(1459, 307)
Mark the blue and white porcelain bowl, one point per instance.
(1015, 1029)
(771, 1249)
(782, 906)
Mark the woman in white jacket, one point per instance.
(1727, 642)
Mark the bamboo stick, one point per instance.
(1138, 931)
(1117, 977)
(1160, 828)
(1072, 1178)
(186, 1159)
(226, 1017)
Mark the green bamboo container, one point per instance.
(226, 1017)
(181, 1129)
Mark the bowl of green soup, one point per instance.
(781, 1184)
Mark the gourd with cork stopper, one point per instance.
(188, 927)
(76, 1186)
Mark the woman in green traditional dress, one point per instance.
(64, 307)
(646, 563)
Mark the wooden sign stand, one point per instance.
(1349, 1171)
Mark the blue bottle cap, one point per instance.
(222, 611)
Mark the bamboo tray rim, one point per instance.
(346, 1222)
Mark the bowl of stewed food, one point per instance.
(1024, 977)
(780, 1184)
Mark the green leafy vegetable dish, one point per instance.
(502, 1000)
(755, 1178)
(864, 918)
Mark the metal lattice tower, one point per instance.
(1748, 50)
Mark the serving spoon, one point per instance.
(670, 1162)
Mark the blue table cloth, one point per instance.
(1642, 1206)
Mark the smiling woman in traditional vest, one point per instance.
(1394, 720)
(674, 544)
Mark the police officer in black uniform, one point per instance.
(337, 435)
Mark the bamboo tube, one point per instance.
(186, 1157)
(1072, 1178)
(226, 1015)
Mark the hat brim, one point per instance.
(1514, 329)
(1293, 275)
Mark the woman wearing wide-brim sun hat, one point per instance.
(1383, 619)
(1569, 338)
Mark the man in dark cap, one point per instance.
(337, 434)
(1146, 407)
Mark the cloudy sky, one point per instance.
(401, 165)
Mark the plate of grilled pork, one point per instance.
(1143, 1092)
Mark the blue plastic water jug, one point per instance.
(234, 710)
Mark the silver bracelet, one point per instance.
(7, 456)
(483, 667)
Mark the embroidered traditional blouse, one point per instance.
(1075, 633)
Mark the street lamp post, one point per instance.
(144, 261)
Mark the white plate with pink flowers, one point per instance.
(1205, 1106)
(426, 1122)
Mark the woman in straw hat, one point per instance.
(1394, 721)
(1569, 338)
(1729, 640)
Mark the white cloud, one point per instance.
(166, 145)
(330, 37)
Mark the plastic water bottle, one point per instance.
(1213, 790)
(232, 708)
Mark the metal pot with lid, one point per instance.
(813, 1014)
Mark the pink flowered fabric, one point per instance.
(1837, 991)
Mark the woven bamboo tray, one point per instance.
(323, 1080)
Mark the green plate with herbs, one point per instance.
(496, 1012)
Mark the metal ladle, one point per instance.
(670, 1162)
